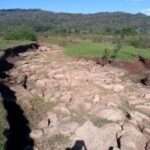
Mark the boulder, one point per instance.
(44, 48)
(36, 134)
(118, 88)
(68, 128)
(42, 83)
(139, 118)
(52, 118)
(111, 114)
(143, 108)
(94, 138)
(147, 96)
(132, 138)
(96, 99)
(63, 110)
(43, 124)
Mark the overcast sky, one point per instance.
(80, 6)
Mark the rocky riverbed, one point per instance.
(76, 104)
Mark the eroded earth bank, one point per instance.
(75, 104)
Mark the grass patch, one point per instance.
(39, 109)
(87, 49)
(2, 126)
(59, 40)
(96, 50)
(99, 122)
(59, 139)
(4, 44)
(130, 52)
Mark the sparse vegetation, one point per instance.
(4, 44)
(2, 126)
(140, 42)
(37, 104)
(99, 122)
(58, 139)
(87, 49)
(94, 50)
(22, 33)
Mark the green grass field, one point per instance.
(87, 49)
(96, 50)
(4, 44)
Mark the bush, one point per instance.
(21, 34)
(140, 42)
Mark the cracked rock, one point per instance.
(97, 138)
(132, 138)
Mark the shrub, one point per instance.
(118, 42)
(140, 42)
(21, 34)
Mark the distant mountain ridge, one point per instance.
(42, 21)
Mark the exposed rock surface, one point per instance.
(98, 138)
(79, 105)
(132, 138)
(111, 114)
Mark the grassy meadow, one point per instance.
(4, 44)
(94, 46)
(91, 46)
(96, 50)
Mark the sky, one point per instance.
(80, 6)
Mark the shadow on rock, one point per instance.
(18, 134)
(4, 66)
(11, 53)
(79, 145)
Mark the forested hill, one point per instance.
(42, 21)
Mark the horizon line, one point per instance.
(69, 12)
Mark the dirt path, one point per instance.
(75, 104)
